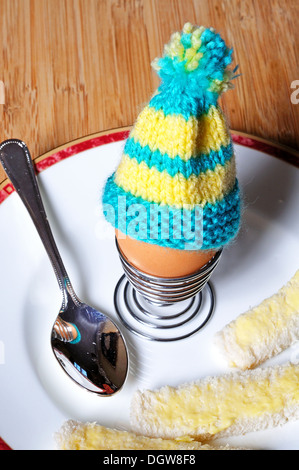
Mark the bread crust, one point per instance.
(263, 331)
(75, 435)
(149, 407)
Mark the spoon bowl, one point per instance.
(87, 344)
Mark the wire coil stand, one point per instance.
(164, 309)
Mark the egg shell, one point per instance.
(162, 261)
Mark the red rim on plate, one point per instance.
(96, 140)
(3, 445)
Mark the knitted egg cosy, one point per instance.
(178, 162)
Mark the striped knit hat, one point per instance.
(178, 161)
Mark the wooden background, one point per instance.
(76, 67)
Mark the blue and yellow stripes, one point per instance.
(220, 221)
(175, 136)
(160, 187)
(179, 155)
(170, 160)
(181, 163)
(173, 165)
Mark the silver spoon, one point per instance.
(87, 344)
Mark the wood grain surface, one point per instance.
(70, 68)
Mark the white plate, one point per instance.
(36, 397)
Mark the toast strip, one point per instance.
(91, 436)
(230, 404)
(263, 331)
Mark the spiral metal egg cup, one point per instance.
(164, 309)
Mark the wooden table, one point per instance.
(71, 68)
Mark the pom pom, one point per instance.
(197, 61)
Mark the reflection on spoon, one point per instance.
(88, 345)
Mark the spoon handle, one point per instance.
(18, 165)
